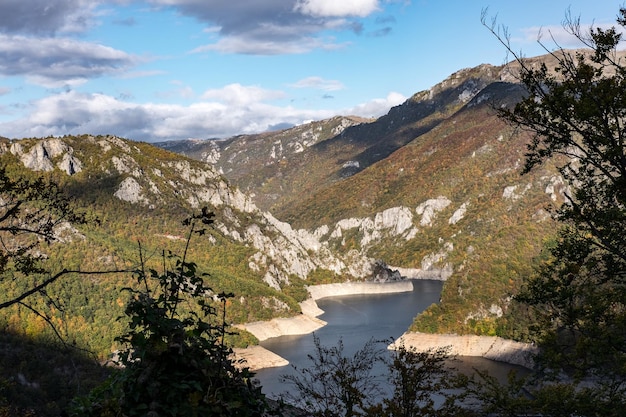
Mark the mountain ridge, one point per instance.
(141, 193)
(432, 188)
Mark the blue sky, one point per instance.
(158, 70)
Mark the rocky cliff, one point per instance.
(280, 251)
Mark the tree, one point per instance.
(175, 361)
(31, 211)
(576, 114)
(532, 396)
(423, 385)
(335, 384)
(34, 212)
(420, 383)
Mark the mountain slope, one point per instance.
(255, 163)
(277, 183)
(453, 203)
(140, 194)
(434, 187)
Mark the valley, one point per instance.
(432, 189)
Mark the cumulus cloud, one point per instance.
(244, 111)
(53, 62)
(75, 113)
(377, 107)
(45, 16)
(239, 95)
(334, 8)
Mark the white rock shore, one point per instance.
(494, 348)
(488, 347)
(257, 357)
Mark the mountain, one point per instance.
(432, 188)
(140, 194)
(255, 163)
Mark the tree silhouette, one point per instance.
(576, 114)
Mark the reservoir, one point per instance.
(355, 319)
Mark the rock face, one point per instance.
(280, 252)
(399, 222)
(349, 288)
(292, 326)
(130, 190)
(383, 273)
(42, 155)
(257, 357)
(494, 348)
(429, 208)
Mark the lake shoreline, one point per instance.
(488, 347)
(257, 357)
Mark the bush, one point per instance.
(176, 362)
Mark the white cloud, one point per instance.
(76, 113)
(559, 37)
(239, 95)
(54, 62)
(250, 46)
(318, 83)
(336, 8)
(377, 107)
(241, 110)
(550, 34)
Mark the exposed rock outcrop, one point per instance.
(489, 347)
(349, 288)
(130, 190)
(429, 208)
(291, 326)
(41, 156)
(257, 357)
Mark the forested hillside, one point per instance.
(434, 187)
(136, 195)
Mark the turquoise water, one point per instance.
(356, 319)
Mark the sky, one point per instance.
(158, 70)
